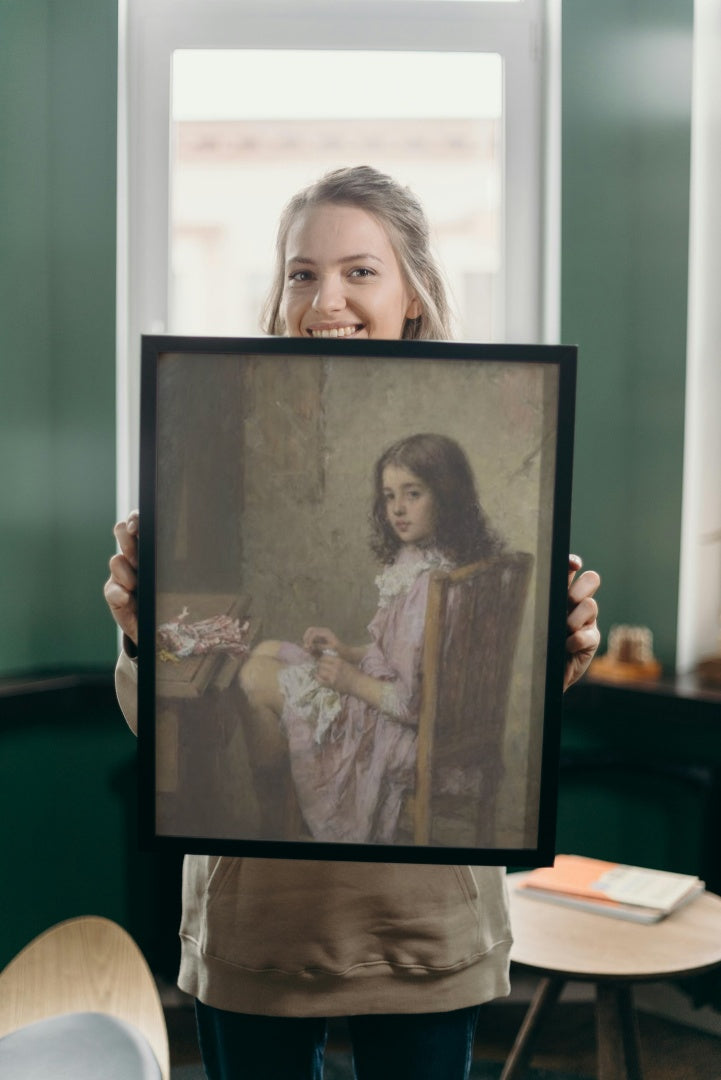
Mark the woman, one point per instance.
(271, 948)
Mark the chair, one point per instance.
(80, 1001)
(473, 618)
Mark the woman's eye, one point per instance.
(300, 276)
(362, 272)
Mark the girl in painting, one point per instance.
(348, 714)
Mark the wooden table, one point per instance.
(197, 713)
(563, 944)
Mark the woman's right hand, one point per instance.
(318, 638)
(122, 585)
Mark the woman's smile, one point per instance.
(335, 331)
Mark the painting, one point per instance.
(352, 597)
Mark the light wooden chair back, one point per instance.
(473, 618)
(87, 964)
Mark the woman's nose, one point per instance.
(329, 295)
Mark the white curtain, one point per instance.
(700, 583)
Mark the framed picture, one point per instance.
(353, 572)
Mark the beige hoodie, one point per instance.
(316, 938)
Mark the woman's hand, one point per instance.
(583, 635)
(337, 673)
(122, 585)
(318, 638)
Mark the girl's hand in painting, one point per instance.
(318, 639)
(583, 635)
(121, 587)
(337, 673)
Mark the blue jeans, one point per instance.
(416, 1046)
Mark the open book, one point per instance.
(608, 888)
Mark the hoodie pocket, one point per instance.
(203, 876)
(299, 916)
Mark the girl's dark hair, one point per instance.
(401, 214)
(463, 533)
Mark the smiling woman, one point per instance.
(353, 259)
(350, 287)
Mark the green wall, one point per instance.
(67, 773)
(68, 804)
(58, 73)
(625, 199)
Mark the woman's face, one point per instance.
(342, 277)
(410, 505)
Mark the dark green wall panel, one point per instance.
(26, 488)
(58, 76)
(68, 803)
(626, 145)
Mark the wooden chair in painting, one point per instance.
(473, 620)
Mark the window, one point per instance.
(448, 95)
(236, 160)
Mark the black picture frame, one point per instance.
(256, 486)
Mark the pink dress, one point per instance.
(352, 763)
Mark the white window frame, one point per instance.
(699, 597)
(526, 34)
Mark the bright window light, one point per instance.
(434, 121)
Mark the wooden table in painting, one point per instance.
(563, 944)
(197, 717)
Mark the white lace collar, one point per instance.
(398, 578)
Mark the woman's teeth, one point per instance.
(337, 331)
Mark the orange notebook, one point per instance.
(631, 892)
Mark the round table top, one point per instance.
(559, 940)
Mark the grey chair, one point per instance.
(80, 1002)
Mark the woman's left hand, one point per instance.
(336, 673)
(583, 635)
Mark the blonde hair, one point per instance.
(403, 217)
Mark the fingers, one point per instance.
(123, 607)
(126, 534)
(575, 563)
(329, 663)
(582, 632)
(583, 636)
(330, 671)
(583, 587)
(318, 637)
(123, 572)
(582, 607)
(585, 640)
(583, 613)
(326, 670)
(119, 599)
(121, 587)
